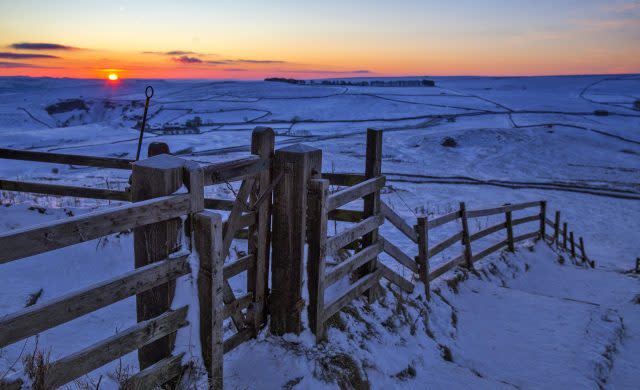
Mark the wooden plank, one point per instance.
(30, 241)
(398, 222)
(88, 359)
(549, 222)
(297, 165)
(423, 254)
(208, 244)
(355, 290)
(444, 244)
(343, 179)
(526, 236)
(573, 245)
(157, 374)
(234, 341)
(347, 236)
(242, 221)
(218, 204)
(71, 159)
(63, 190)
(441, 220)
(490, 230)
(520, 221)
(317, 239)
(395, 278)
(343, 215)
(358, 191)
(371, 202)
(501, 209)
(155, 177)
(489, 250)
(233, 170)
(240, 265)
(398, 254)
(259, 239)
(446, 267)
(42, 316)
(352, 263)
(556, 228)
(238, 304)
(564, 236)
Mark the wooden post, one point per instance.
(509, 223)
(373, 168)
(154, 177)
(573, 246)
(468, 256)
(298, 164)
(423, 254)
(208, 244)
(556, 228)
(584, 256)
(317, 238)
(262, 144)
(543, 220)
(564, 236)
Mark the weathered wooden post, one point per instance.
(316, 238)
(509, 225)
(556, 228)
(422, 259)
(208, 244)
(372, 169)
(262, 144)
(584, 256)
(154, 177)
(543, 220)
(468, 256)
(573, 246)
(564, 236)
(298, 164)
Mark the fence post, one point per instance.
(573, 246)
(208, 244)
(468, 256)
(638, 265)
(317, 237)
(543, 220)
(509, 223)
(564, 236)
(373, 168)
(556, 228)
(423, 253)
(297, 163)
(262, 144)
(584, 255)
(154, 177)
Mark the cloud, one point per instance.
(243, 61)
(40, 46)
(171, 52)
(4, 64)
(187, 60)
(16, 56)
(235, 70)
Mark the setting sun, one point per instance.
(113, 76)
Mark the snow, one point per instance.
(533, 324)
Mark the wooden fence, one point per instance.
(155, 213)
(282, 205)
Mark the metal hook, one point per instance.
(148, 92)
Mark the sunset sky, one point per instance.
(251, 39)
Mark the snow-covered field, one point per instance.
(542, 325)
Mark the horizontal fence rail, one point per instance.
(64, 190)
(70, 159)
(46, 237)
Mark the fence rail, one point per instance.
(70, 159)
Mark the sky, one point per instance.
(253, 39)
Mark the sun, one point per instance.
(112, 77)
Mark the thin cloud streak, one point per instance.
(41, 46)
(18, 56)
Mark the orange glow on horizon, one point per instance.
(113, 76)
